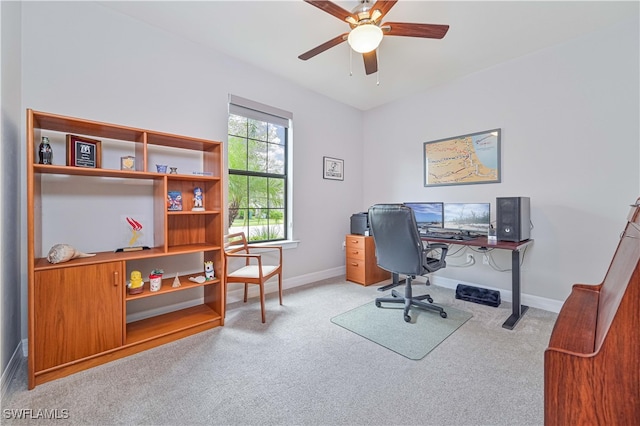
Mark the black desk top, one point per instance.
(482, 242)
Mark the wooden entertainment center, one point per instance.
(77, 310)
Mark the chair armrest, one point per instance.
(434, 246)
(245, 255)
(266, 249)
(432, 264)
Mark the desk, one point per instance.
(516, 248)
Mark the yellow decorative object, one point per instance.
(135, 283)
(136, 279)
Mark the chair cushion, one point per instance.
(252, 271)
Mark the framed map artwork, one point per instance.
(462, 160)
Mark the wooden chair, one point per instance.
(254, 271)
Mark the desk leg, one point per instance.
(518, 309)
(394, 282)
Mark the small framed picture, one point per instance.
(83, 152)
(174, 201)
(333, 168)
(128, 163)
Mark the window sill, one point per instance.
(286, 244)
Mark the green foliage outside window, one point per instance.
(257, 178)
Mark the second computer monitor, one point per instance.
(468, 217)
(429, 215)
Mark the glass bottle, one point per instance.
(45, 152)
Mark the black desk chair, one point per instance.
(400, 250)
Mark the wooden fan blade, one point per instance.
(370, 62)
(330, 8)
(324, 46)
(415, 30)
(383, 6)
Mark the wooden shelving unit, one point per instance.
(77, 310)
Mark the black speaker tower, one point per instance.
(513, 218)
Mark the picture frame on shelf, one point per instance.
(84, 152)
(476, 160)
(128, 163)
(333, 168)
(174, 201)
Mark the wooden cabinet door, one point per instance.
(77, 312)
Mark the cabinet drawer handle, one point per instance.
(354, 241)
(115, 278)
(354, 264)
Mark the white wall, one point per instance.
(84, 60)
(570, 141)
(10, 166)
(569, 116)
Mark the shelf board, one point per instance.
(154, 327)
(60, 123)
(126, 174)
(42, 264)
(167, 286)
(88, 171)
(182, 142)
(189, 212)
(192, 177)
(192, 248)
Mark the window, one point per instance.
(258, 143)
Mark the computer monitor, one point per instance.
(467, 217)
(428, 215)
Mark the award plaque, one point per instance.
(83, 152)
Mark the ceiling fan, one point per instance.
(366, 30)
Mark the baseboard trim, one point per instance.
(538, 302)
(12, 368)
(237, 294)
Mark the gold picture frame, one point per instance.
(128, 163)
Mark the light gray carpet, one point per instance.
(301, 369)
(386, 326)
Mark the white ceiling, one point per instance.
(271, 34)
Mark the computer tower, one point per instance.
(513, 218)
(360, 223)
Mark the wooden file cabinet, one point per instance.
(362, 267)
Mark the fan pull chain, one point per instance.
(350, 62)
(378, 71)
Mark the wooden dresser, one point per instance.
(362, 267)
(592, 364)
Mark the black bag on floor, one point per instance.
(479, 295)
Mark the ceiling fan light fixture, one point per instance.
(365, 38)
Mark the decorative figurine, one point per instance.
(64, 252)
(197, 199)
(176, 281)
(136, 227)
(45, 152)
(155, 279)
(136, 285)
(208, 270)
